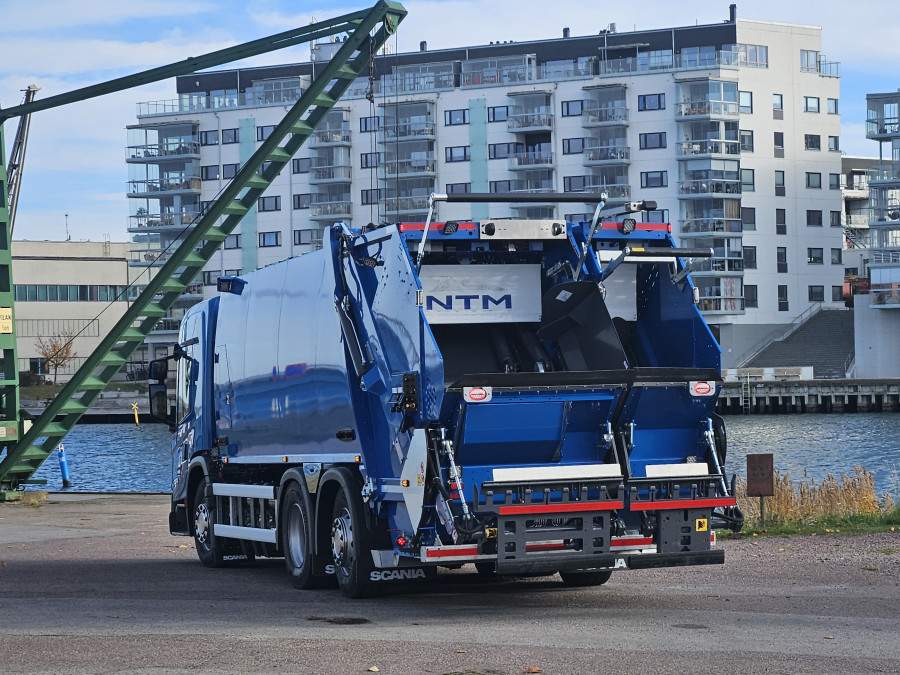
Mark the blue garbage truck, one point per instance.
(527, 396)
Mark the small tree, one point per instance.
(56, 350)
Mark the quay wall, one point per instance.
(767, 397)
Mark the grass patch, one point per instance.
(847, 504)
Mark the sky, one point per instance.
(73, 182)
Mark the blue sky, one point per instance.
(75, 162)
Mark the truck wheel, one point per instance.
(577, 579)
(296, 538)
(349, 537)
(209, 547)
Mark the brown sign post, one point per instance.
(761, 480)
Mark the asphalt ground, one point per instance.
(95, 584)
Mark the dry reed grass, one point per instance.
(847, 495)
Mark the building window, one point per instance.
(753, 56)
(458, 188)
(499, 150)
(837, 294)
(574, 183)
(780, 221)
(369, 197)
(209, 172)
(779, 140)
(748, 218)
(269, 203)
(809, 61)
(209, 137)
(781, 265)
(232, 273)
(813, 180)
(813, 218)
(232, 241)
(779, 184)
(746, 140)
(457, 153)
(369, 160)
(748, 180)
(834, 181)
(573, 146)
(812, 142)
(745, 102)
(304, 237)
(834, 143)
(777, 102)
(816, 293)
(209, 278)
(269, 239)
(301, 165)
(652, 102)
(782, 298)
(230, 136)
(835, 219)
(836, 256)
(751, 298)
(653, 141)
(652, 179)
(572, 108)
(811, 104)
(814, 256)
(301, 201)
(230, 170)
(655, 216)
(499, 186)
(498, 113)
(368, 124)
(262, 133)
(749, 257)
(454, 117)
(832, 104)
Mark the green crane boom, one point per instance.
(26, 450)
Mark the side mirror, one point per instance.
(159, 404)
(159, 370)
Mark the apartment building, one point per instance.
(732, 128)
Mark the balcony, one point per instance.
(882, 128)
(530, 160)
(534, 186)
(538, 120)
(327, 138)
(401, 205)
(408, 168)
(340, 210)
(614, 193)
(710, 226)
(885, 298)
(708, 109)
(708, 188)
(885, 215)
(884, 174)
(719, 305)
(708, 148)
(407, 130)
(146, 154)
(329, 174)
(156, 221)
(153, 188)
(733, 263)
(606, 154)
(604, 116)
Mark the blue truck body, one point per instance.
(505, 393)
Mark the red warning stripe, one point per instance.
(682, 504)
(631, 541)
(568, 507)
(451, 552)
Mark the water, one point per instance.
(125, 458)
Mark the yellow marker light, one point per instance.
(404, 483)
(225, 460)
(284, 459)
(357, 459)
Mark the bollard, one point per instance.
(64, 466)
(134, 406)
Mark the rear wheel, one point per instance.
(577, 579)
(209, 547)
(349, 546)
(297, 538)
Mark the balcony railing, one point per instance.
(330, 137)
(330, 209)
(532, 186)
(888, 214)
(329, 174)
(410, 130)
(710, 147)
(614, 192)
(529, 160)
(720, 264)
(606, 153)
(882, 298)
(885, 256)
(886, 126)
(710, 225)
(152, 220)
(145, 186)
(408, 167)
(529, 120)
(401, 204)
(165, 150)
(709, 187)
(707, 109)
(594, 115)
(716, 304)
(884, 174)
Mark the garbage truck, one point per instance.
(532, 397)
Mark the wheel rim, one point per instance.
(342, 540)
(296, 534)
(201, 523)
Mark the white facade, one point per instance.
(549, 116)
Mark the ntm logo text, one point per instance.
(467, 302)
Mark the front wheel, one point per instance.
(349, 546)
(580, 579)
(209, 547)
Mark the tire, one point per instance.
(349, 546)
(209, 547)
(580, 579)
(297, 538)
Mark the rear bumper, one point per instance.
(614, 561)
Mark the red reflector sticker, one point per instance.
(477, 394)
(702, 388)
